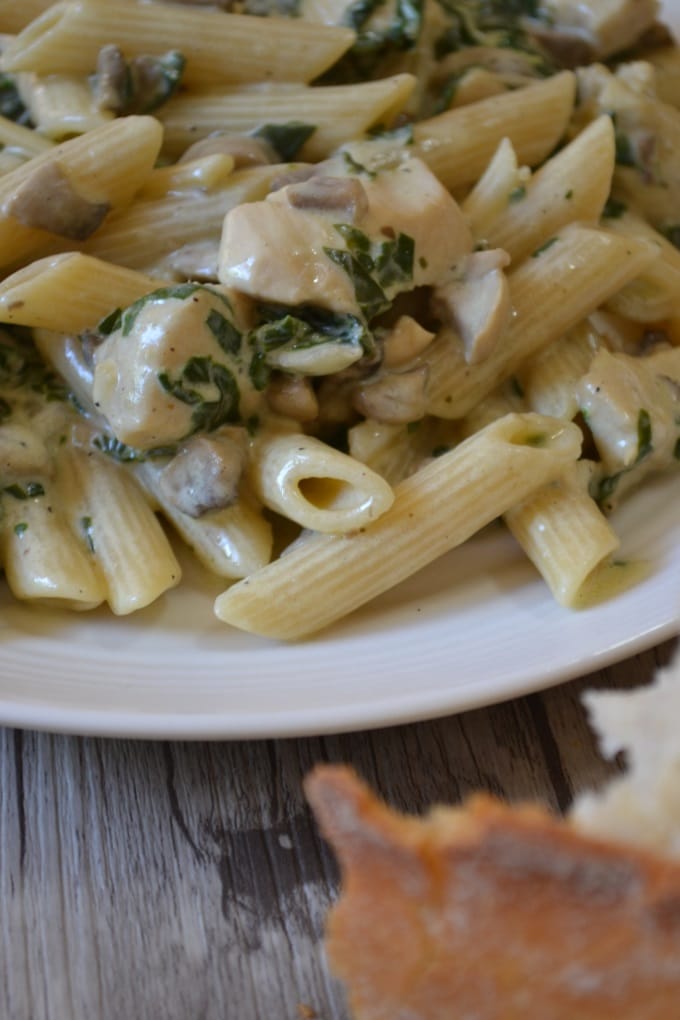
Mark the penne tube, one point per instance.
(15, 16)
(324, 577)
(549, 381)
(334, 113)
(142, 236)
(103, 170)
(130, 547)
(60, 105)
(457, 145)
(44, 560)
(564, 533)
(571, 186)
(21, 140)
(316, 486)
(33, 296)
(487, 200)
(550, 293)
(231, 543)
(218, 47)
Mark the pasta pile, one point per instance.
(328, 287)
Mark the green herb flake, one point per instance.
(224, 331)
(613, 209)
(32, 490)
(113, 448)
(286, 139)
(21, 528)
(569, 194)
(353, 166)
(218, 406)
(544, 247)
(517, 194)
(607, 485)
(280, 328)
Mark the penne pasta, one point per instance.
(434, 510)
(255, 285)
(550, 294)
(334, 114)
(316, 486)
(457, 145)
(218, 47)
(32, 296)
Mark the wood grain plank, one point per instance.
(178, 880)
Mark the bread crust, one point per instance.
(487, 912)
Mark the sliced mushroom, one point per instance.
(345, 196)
(246, 150)
(112, 78)
(47, 200)
(206, 472)
(196, 261)
(477, 304)
(404, 342)
(293, 396)
(396, 398)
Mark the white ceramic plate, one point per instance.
(474, 628)
(477, 627)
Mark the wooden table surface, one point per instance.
(187, 881)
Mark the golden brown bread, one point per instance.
(488, 912)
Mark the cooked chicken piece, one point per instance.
(477, 303)
(276, 251)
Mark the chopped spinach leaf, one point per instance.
(286, 139)
(606, 486)
(22, 367)
(517, 194)
(124, 319)
(12, 105)
(613, 209)
(29, 491)
(196, 385)
(496, 24)
(354, 167)
(224, 331)
(543, 247)
(373, 269)
(370, 296)
(300, 329)
(376, 43)
(112, 447)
